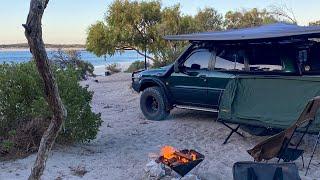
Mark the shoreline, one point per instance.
(101, 69)
(48, 49)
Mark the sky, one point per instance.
(67, 21)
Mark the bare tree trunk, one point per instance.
(33, 33)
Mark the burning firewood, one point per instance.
(180, 161)
(186, 156)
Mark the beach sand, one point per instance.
(126, 139)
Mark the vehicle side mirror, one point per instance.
(176, 67)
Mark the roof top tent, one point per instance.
(270, 32)
(300, 44)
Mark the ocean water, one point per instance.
(126, 57)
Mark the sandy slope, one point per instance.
(126, 139)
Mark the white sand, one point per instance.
(126, 139)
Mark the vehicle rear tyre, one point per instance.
(154, 103)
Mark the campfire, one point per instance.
(182, 161)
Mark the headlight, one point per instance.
(137, 77)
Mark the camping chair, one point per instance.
(265, 171)
(278, 145)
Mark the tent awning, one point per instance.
(278, 30)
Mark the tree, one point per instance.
(248, 18)
(140, 26)
(315, 23)
(283, 13)
(209, 19)
(129, 25)
(33, 33)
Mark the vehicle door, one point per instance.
(189, 86)
(226, 63)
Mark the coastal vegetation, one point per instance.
(113, 68)
(135, 66)
(72, 58)
(315, 23)
(141, 26)
(25, 114)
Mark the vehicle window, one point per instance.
(265, 67)
(272, 60)
(199, 59)
(313, 60)
(261, 59)
(229, 60)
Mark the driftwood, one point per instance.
(33, 33)
(271, 147)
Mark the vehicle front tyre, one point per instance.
(154, 103)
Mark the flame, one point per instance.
(168, 152)
(193, 156)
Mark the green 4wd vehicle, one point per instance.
(198, 78)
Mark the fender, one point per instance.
(147, 81)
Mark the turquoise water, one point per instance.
(24, 56)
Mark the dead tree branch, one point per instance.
(282, 11)
(33, 33)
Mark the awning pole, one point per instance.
(145, 57)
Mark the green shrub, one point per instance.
(72, 58)
(22, 101)
(113, 68)
(135, 66)
(81, 124)
(7, 145)
(85, 69)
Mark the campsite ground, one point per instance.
(127, 139)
